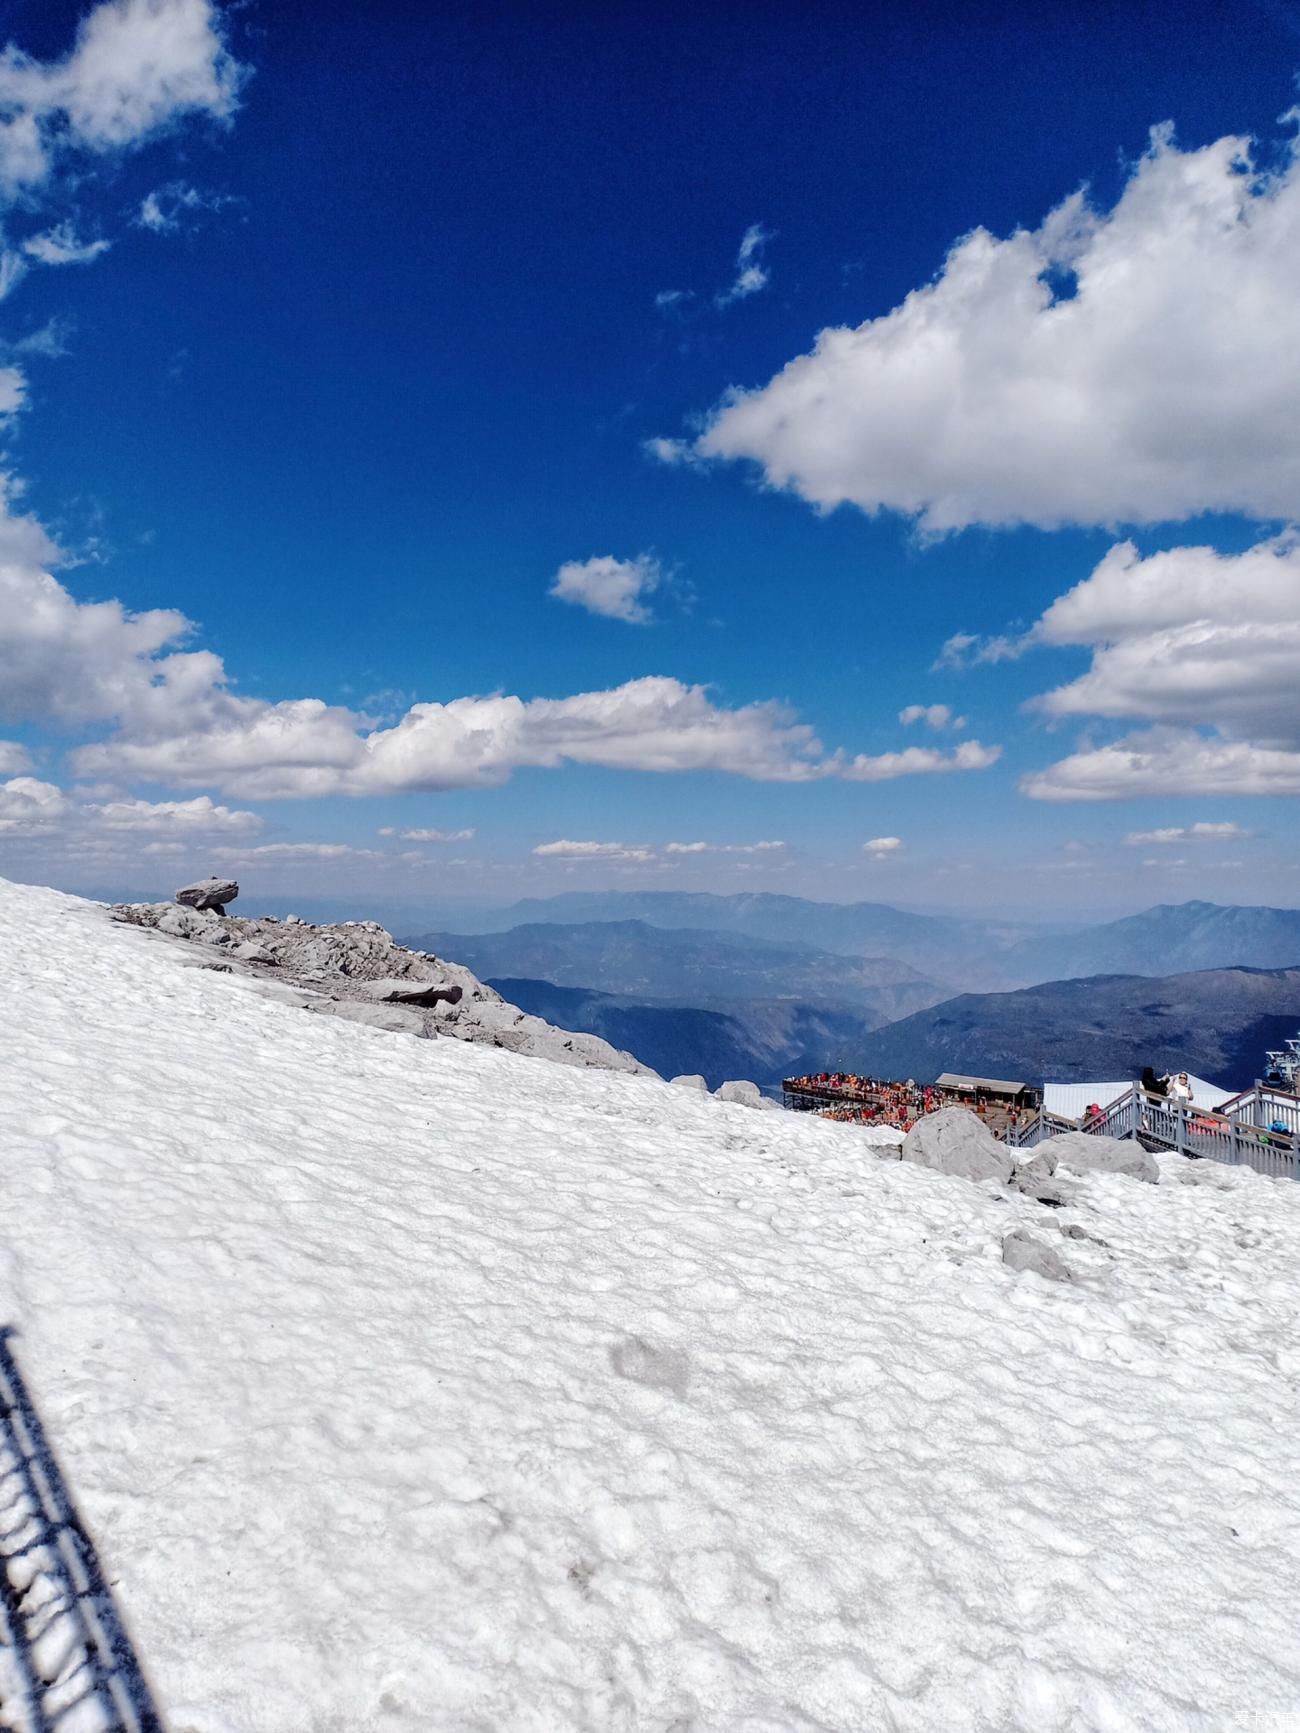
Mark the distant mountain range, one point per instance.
(764, 1040)
(711, 970)
(944, 947)
(975, 954)
(760, 985)
(1214, 1022)
(1169, 939)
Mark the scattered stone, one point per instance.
(182, 923)
(1086, 1153)
(211, 894)
(253, 952)
(1021, 1251)
(395, 992)
(958, 1142)
(1053, 1192)
(691, 1081)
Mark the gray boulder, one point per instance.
(211, 894)
(957, 1141)
(1021, 1251)
(394, 991)
(1035, 1166)
(1085, 1153)
(691, 1081)
(743, 1094)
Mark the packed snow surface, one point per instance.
(412, 1385)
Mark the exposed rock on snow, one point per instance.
(357, 971)
(743, 1093)
(1021, 1250)
(692, 1081)
(1034, 1167)
(366, 1358)
(1086, 1153)
(211, 894)
(957, 1141)
(424, 993)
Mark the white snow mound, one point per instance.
(414, 1384)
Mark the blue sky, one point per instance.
(407, 310)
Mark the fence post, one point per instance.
(1180, 1134)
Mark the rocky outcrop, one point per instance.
(1086, 1153)
(356, 970)
(691, 1080)
(958, 1142)
(211, 894)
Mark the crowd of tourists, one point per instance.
(872, 1100)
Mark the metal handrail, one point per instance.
(1195, 1131)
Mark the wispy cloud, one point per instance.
(752, 274)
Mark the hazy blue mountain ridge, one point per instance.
(689, 966)
(1215, 1022)
(764, 1040)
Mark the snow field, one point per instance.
(410, 1385)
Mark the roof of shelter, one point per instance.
(1072, 1100)
(1000, 1086)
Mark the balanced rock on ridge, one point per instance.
(211, 894)
(957, 1141)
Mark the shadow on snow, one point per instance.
(66, 1662)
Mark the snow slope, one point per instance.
(411, 1385)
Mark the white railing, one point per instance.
(1259, 1129)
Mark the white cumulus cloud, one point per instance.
(27, 804)
(882, 845)
(200, 815)
(136, 67)
(604, 585)
(920, 761)
(1204, 647)
(1168, 761)
(1136, 364)
(935, 716)
(173, 717)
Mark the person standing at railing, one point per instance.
(1180, 1091)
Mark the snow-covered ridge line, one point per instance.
(357, 970)
(408, 1384)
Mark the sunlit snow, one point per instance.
(412, 1385)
